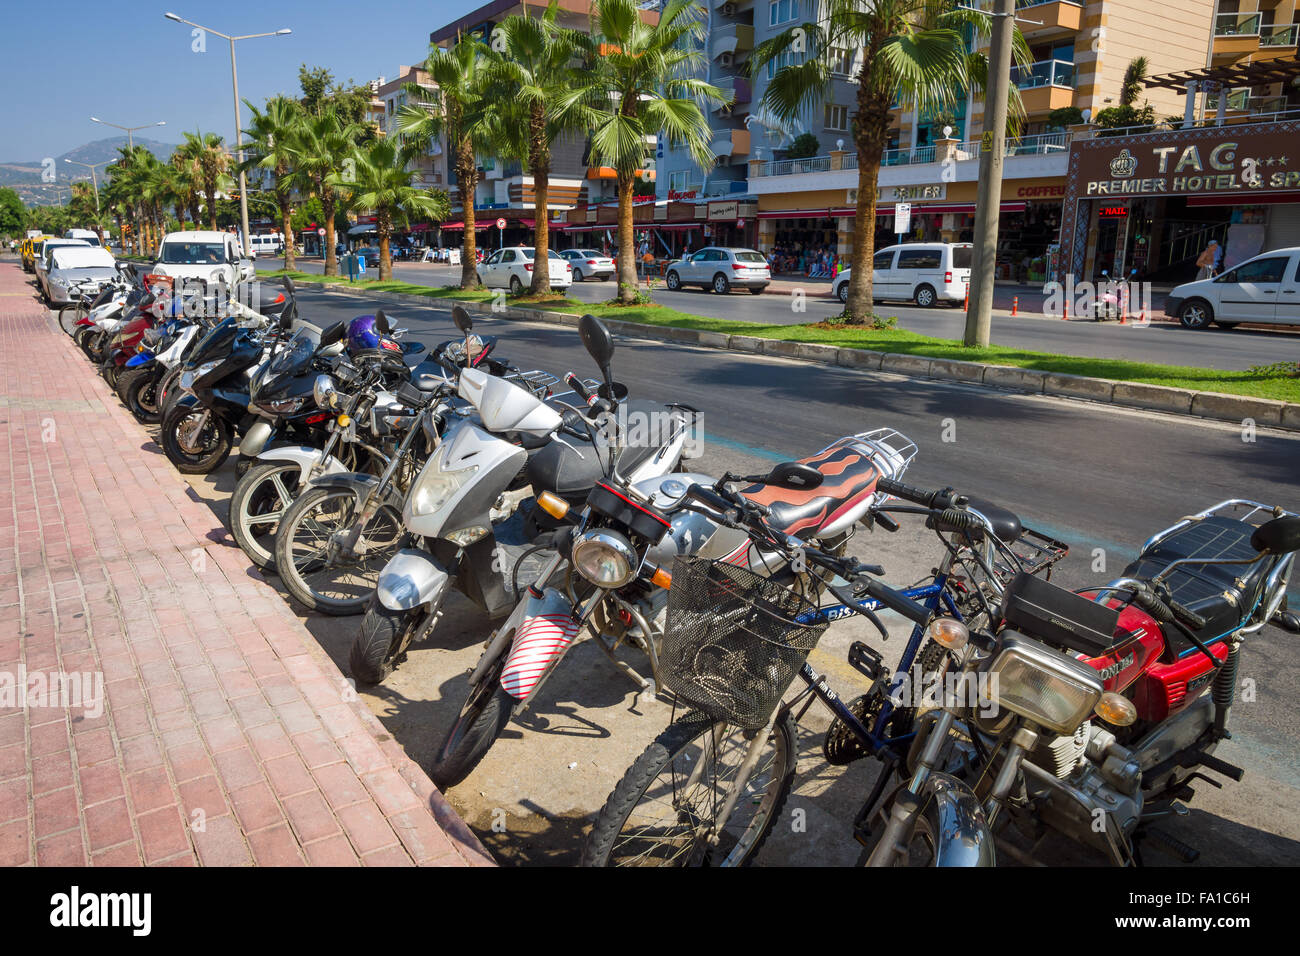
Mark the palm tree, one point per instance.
(382, 184)
(270, 150)
(529, 77)
(640, 79)
(188, 179)
(905, 50)
(1131, 86)
(320, 145)
(460, 108)
(213, 162)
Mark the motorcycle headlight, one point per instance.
(286, 406)
(323, 391)
(434, 487)
(205, 368)
(1033, 680)
(605, 558)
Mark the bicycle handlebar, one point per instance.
(940, 500)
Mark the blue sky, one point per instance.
(144, 69)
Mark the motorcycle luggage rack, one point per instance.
(536, 381)
(889, 449)
(1036, 551)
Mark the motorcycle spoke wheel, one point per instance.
(664, 812)
(261, 499)
(307, 551)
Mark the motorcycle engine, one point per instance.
(1060, 755)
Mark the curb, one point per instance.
(1178, 401)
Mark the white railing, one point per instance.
(1280, 36)
(1236, 25)
(1043, 73)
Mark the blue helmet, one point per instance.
(362, 334)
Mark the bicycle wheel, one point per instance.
(69, 315)
(307, 555)
(664, 810)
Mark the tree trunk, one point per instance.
(331, 255)
(467, 178)
(286, 218)
(627, 283)
(194, 212)
(872, 119)
(211, 189)
(180, 216)
(541, 163)
(383, 222)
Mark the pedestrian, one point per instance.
(1208, 261)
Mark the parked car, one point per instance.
(512, 268)
(1264, 290)
(47, 252)
(267, 244)
(369, 255)
(32, 251)
(71, 266)
(88, 234)
(927, 273)
(720, 269)
(203, 256)
(589, 264)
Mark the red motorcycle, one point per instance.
(1093, 713)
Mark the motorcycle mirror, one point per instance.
(461, 318)
(381, 322)
(412, 348)
(599, 344)
(333, 334)
(1279, 536)
(614, 391)
(794, 475)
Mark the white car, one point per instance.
(41, 266)
(72, 268)
(720, 269)
(927, 273)
(1263, 290)
(88, 234)
(512, 268)
(589, 264)
(203, 256)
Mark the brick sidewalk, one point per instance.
(227, 737)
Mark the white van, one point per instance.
(267, 244)
(88, 235)
(927, 273)
(1264, 290)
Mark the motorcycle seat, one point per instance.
(849, 478)
(426, 381)
(1222, 594)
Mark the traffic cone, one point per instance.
(1015, 304)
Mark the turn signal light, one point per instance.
(948, 632)
(1116, 709)
(344, 421)
(661, 579)
(553, 505)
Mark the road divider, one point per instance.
(1240, 409)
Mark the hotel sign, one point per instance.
(1238, 162)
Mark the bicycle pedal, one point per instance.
(865, 660)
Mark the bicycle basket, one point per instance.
(731, 645)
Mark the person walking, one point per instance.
(1208, 261)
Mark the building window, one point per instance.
(841, 61)
(783, 11)
(837, 117)
(679, 180)
(788, 58)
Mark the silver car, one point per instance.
(75, 269)
(43, 264)
(721, 269)
(589, 264)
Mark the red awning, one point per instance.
(1263, 199)
(677, 225)
(795, 214)
(453, 225)
(935, 208)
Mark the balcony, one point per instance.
(1055, 16)
(731, 142)
(735, 38)
(1045, 85)
(737, 91)
(1235, 35)
(1278, 42)
(1238, 101)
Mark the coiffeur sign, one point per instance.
(1232, 162)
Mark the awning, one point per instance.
(935, 208)
(1262, 199)
(364, 227)
(677, 225)
(795, 214)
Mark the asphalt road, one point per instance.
(1160, 342)
(1101, 479)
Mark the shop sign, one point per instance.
(1229, 162)
(1035, 192)
(1113, 212)
(681, 193)
(724, 210)
(902, 217)
(920, 193)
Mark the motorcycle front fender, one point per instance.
(254, 441)
(304, 456)
(360, 485)
(543, 635)
(961, 829)
(411, 579)
(139, 359)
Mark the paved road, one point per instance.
(1159, 342)
(1101, 479)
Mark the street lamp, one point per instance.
(94, 180)
(239, 135)
(130, 141)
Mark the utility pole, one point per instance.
(979, 313)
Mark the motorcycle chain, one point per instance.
(840, 746)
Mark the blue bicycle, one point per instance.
(709, 789)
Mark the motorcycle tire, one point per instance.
(639, 783)
(191, 460)
(921, 846)
(138, 389)
(93, 346)
(261, 495)
(111, 372)
(381, 644)
(80, 336)
(482, 719)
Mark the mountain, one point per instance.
(29, 177)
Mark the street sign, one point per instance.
(321, 232)
(902, 217)
(501, 223)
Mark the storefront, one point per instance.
(1147, 206)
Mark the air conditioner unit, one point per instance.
(728, 9)
(726, 59)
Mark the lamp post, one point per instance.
(130, 141)
(94, 180)
(239, 135)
